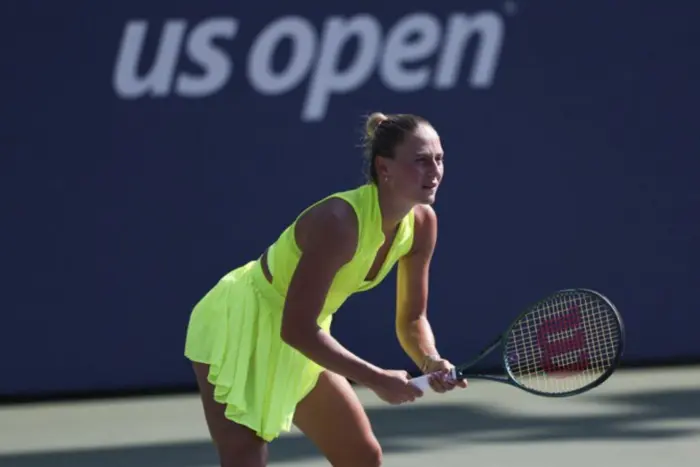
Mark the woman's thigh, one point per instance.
(236, 444)
(332, 416)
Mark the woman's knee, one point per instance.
(369, 454)
(237, 445)
(333, 417)
(241, 453)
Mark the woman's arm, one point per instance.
(328, 237)
(412, 327)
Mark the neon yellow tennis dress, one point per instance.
(235, 327)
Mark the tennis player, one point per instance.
(260, 339)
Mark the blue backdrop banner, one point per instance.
(150, 147)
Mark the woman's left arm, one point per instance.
(412, 326)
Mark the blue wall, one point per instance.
(572, 160)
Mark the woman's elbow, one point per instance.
(294, 334)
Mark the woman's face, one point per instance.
(417, 168)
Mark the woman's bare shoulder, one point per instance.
(332, 223)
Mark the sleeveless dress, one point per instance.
(235, 327)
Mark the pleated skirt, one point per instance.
(235, 329)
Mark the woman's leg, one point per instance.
(333, 418)
(236, 444)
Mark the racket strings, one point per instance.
(563, 344)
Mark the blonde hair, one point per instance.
(373, 121)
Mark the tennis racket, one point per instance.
(565, 344)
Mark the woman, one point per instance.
(260, 340)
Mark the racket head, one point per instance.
(565, 344)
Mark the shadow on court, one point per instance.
(462, 423)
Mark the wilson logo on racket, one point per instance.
(563, 338)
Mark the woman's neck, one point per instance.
(393, 209)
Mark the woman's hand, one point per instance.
(394, 387)
(441, 381)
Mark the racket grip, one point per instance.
(423, 382)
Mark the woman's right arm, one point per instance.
(327, 236)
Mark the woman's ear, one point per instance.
(382, 166)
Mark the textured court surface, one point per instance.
(640, 418)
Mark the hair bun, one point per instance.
(373, 121)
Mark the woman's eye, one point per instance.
(427, 160)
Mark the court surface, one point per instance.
(639, 418)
